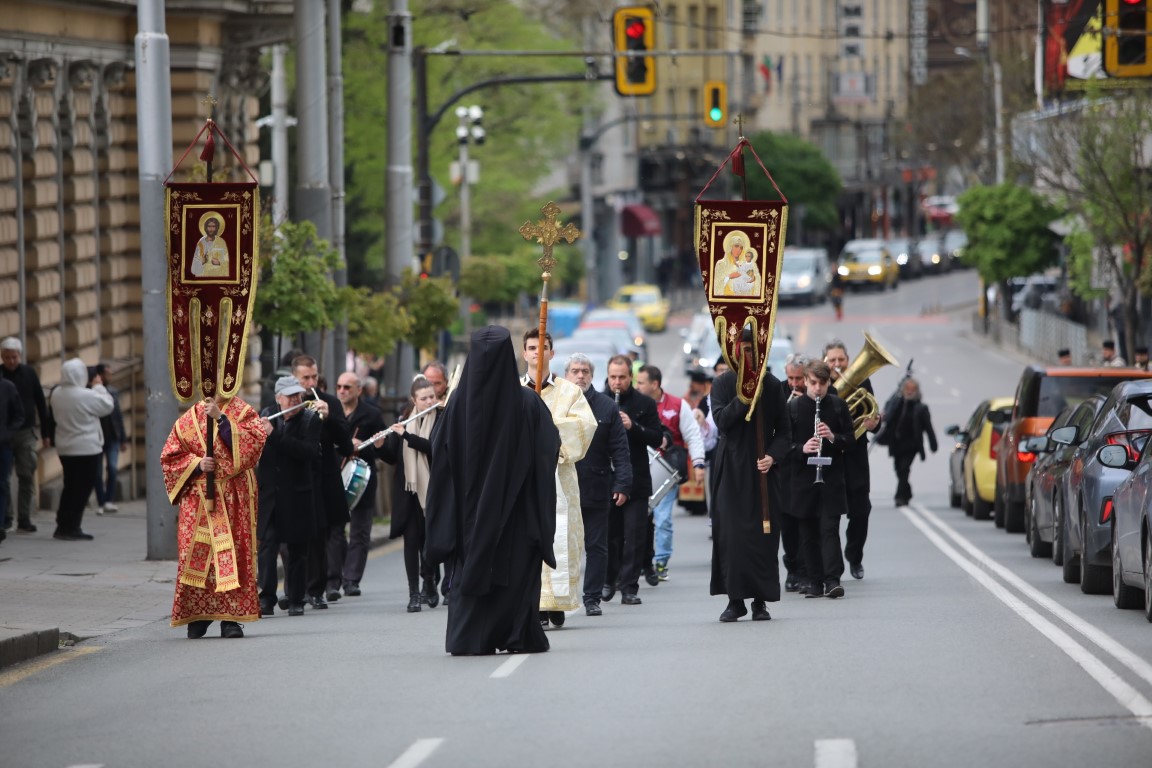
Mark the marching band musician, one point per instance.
(789, 527)
(351, 554)
(859, 475)
(409, 448)
(744, 557)
(819, 505)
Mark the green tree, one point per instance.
(1008, 233)
(803, 174)
(431, 306)
(296, 293)
(376, 320)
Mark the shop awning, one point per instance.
(638, 220)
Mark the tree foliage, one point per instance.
(431, 307)
(803, 174)
(376, 320)
(296, 293)
(1008, 231)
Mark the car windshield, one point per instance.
(871, 256)
(798, 262)
(1058, 392)
(641, 297)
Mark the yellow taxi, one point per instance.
(868, 263)
(646, 302)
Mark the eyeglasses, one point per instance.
(344, 386)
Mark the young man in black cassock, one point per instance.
(492, 502)
(744, 558)
(819, 505)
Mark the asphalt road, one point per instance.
(957, 649)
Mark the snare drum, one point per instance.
(355, 475)
(664, 478)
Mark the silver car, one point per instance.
(804, 276)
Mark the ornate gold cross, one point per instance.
(548, 232)
(739, 124)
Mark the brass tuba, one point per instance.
(861, 403)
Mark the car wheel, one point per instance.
(953, 499)
(981, 510)
(1013, 517)
(1036, 547)
(1148, 574)
(1070, 569)
(1123, 595)
(1057, 532)
(1094, 579)
(998, 509)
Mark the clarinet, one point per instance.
(820, 449)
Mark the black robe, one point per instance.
(286, 477)
(809, 498)
(492, 502)
(744, 558)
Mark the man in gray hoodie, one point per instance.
(78, 409)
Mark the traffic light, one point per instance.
(1126, 38)
(634, 30)
(716, 103)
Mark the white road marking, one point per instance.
(1100, 639)
(835, 753)
(420, 751)
(954, 392)
(1127, 696)
(508, 667)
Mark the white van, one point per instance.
(804, 275)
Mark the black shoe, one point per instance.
(814, 590)
(557, 618)
(430, 595)
(857, 570)
(317, 602)
(197, 629)
(760, 611)
(834, 590)
(734, 611)
(267, 609)
(333, 595)
(26, 527)
(296, 610)
(544, 620)
(231, 630)
(607, 592)
(901, 502)
(791, 584)
(630, 599)
(592, 608)
(413, 602)
(651, 577)
(72, 536)
(352, 590)
(283, 603)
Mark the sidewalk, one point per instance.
(54, 592)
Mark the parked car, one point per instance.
(932, 257)
(599, 351)
(1042, 392)
(619, 337)
(631, 322)
(1130, 542)
(709, 352)
(903, 249)
(867, 263)
(1125, 419)
(1043, 498)
(955, 241)
(646, 302)
(615, 328)
(972, 465)
(804, 276)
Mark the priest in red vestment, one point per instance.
(216, 572)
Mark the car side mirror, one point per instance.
(952, 429)
(1036, 444)
(1114, 456)
(1065, 435)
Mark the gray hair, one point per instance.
(583, 359)
(12, 343)
(836, 344)
(796, 360)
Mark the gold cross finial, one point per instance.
(739, 121)
(548, 232)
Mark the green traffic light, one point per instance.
(715, 114)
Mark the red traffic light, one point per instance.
(634, 29)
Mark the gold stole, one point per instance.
(212, 544)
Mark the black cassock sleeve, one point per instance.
(778, 427)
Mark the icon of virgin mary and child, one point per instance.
(736, 272)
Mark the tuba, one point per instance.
(861, 403)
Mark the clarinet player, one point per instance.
(818, 490)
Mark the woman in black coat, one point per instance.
(908, 423)
(409, 449)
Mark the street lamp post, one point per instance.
(996, 145)
(468, 131)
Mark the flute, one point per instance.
(408, 420)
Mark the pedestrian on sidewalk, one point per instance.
(26, 438)
(216, 565)
(115, 440)
(11, 417)
(79, 441)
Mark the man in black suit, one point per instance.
(336, 445)
(605, 475)
(287, 507)
(858, 473)
(628, 539)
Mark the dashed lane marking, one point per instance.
(510, 666)
(835, 753)
(420, 751)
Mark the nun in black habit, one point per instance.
(492, 502)
(744, 558)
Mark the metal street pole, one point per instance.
(398, 211)
(998, 119)
(336, 172)
(154, 128)
(279, 137)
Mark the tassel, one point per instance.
(209, 150)
(738, 161)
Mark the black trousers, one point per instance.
(859, 508)
(359, 541)
(317, 559)
(903, 464)
(295, 569)
(634, 551)
(415, 566)
(820, 544)
(596, 548)
(80, 474)
(790, 540)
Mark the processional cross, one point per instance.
(547, 232)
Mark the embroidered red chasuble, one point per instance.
(216, 573)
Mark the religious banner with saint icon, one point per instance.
(212, 251)
(739, 245)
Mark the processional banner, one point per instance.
(739, 246)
